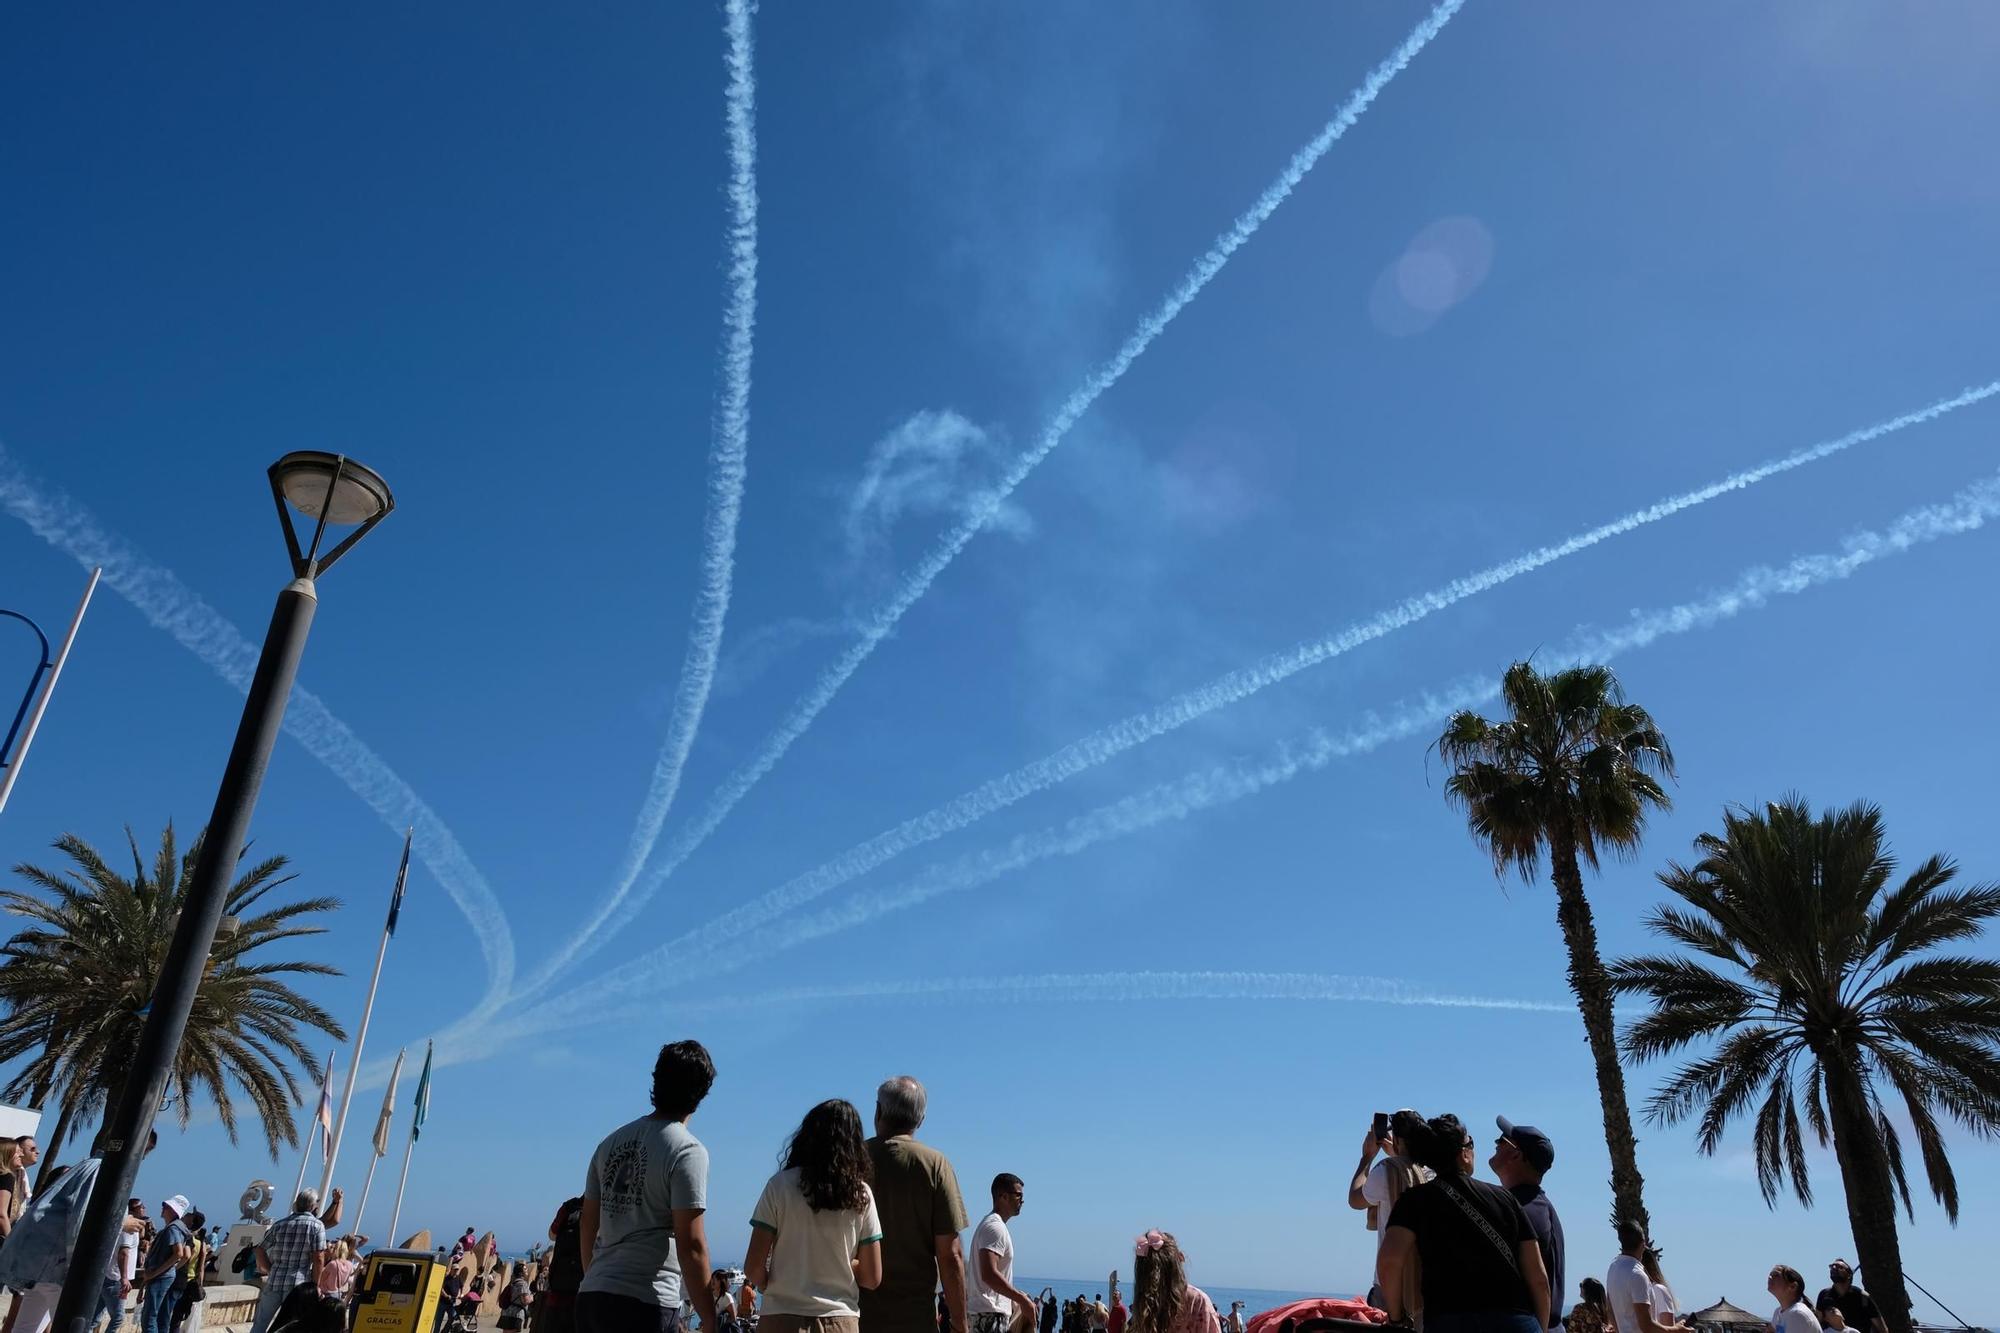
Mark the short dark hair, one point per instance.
(1630, 1233)
(1006, 1183)
(682, 1076)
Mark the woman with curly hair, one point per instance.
(1162, 1300)
(815, 1239)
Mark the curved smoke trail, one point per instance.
(727, 467)
(884, 620)
(713, 948)
(170, 605)
(1108, 742)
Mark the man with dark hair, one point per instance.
(1522, 1155)
(1627, 1289)
(1855, 1306)
(917, 1198)
(992, 1295)
(640, 1232)
(555, 1311)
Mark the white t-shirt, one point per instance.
(125, 1259)
(991, 1234)
(1626, 1285)
(1797, 1317)
(1665, 1309)
(812, 1253)
(1375, 1190)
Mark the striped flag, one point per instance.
(402, 877)
(423, 1097)
(388, 1108)
(325, 1116)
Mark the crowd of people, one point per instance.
(1464, 1255)
(855, 1230)
(861, 1231)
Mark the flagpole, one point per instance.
(397, 1214)
(367, 1184)
(417, 1118)
(381, 1140)
(320, 1117)
(304, 1162)
(367, 1011)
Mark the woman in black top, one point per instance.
(1481, 1270)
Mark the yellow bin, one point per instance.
(399, 1292)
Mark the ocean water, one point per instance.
(1254, 1299)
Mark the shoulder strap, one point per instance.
(1479, 1220)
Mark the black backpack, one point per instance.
(566, 1255)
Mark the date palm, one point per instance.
(1572, 769)
(76, 980)
(1817, 980)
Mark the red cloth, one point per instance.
(1322, 1307)
(1118, 1318)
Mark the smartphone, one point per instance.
(1381, 1126)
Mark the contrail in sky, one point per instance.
(727, 466)
(171, 605)
(714, 948)
(1067, 987)
(1107, 743)
(982, 512)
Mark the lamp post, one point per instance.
(329, 489)
(41, 688)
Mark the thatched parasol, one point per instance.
(1724, 1315)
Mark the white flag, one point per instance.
(388, 1108)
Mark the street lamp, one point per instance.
(41, 687)
(330, 489)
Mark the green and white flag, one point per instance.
(423, 1097)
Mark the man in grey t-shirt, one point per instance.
(644, 1244)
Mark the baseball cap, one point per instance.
(177, 1202)
(1534, 1145)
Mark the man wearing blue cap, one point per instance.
(1522, 1155)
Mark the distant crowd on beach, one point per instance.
(859, 1233)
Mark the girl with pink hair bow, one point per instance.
(1162, 1300)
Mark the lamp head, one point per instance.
(329, 489)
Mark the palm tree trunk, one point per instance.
(1871, 1198)
(1593, 999)
(55, 1143)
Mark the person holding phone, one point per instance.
(1378, 1185)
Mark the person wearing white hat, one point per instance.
(170, 1251)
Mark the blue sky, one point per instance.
(1572, 261)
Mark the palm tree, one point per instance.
(1572, 768)
(1829, 986)
(75, 984)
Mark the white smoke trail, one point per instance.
(982, 512)
(169, 604)
(727, 467)
(716, 948)
(1108, 742)
(1064, 987)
